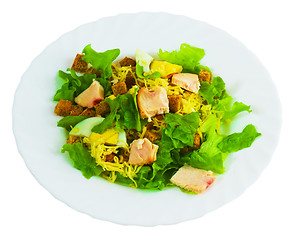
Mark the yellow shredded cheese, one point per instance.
(100, 151)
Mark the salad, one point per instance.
(148, 123)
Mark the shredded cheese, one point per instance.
(100, 151)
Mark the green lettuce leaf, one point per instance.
(211, 137)
(239, 141)
(66, 92)
(108, 122)
(209, 156)
(181, 129)
(69, 122)
(101, 60)
(210, 92)
(204, 161)
(229, 110)
(236, 108)
(146, 179)
(188, 57)
(73, 85)
(127, 116)
(82, 159)
(139, 122)
(164, 153)
(124, 114)
(178, 133)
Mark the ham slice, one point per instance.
(193, 179)
(142, 152)
(152, 102)
(91, 96)
(187, 81)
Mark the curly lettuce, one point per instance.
(101, 60)
(188, 57)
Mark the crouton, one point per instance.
(63, 108)
(80, 66)
(110, 157)
(76, 110)
(73, 139)
(150, 125)
(196, 141)
(160, 117)
(89, 112)
(204, 76)
(130, 78)
(102, 108)
(131, 135)
(152, 136)
(175, 103)
(123, 155)
(126, 62)
(119, 88)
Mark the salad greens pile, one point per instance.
(180, 129)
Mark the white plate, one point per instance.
(39, 140)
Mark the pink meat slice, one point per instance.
(91, 96)
(152, 102)
(193, 179)
(142, 152)
(187, 81)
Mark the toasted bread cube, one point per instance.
(193, 179)
(76, 110)
(80, 66)
(89, 112)
(152, 136)
(126, 62)
(196, 141)
(119, 88)
(175, 103)
(130, 78)
(110, 157)
(102, 108)
(63, 108)
(204, 76)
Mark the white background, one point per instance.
(28, 211)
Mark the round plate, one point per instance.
(39, 141)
